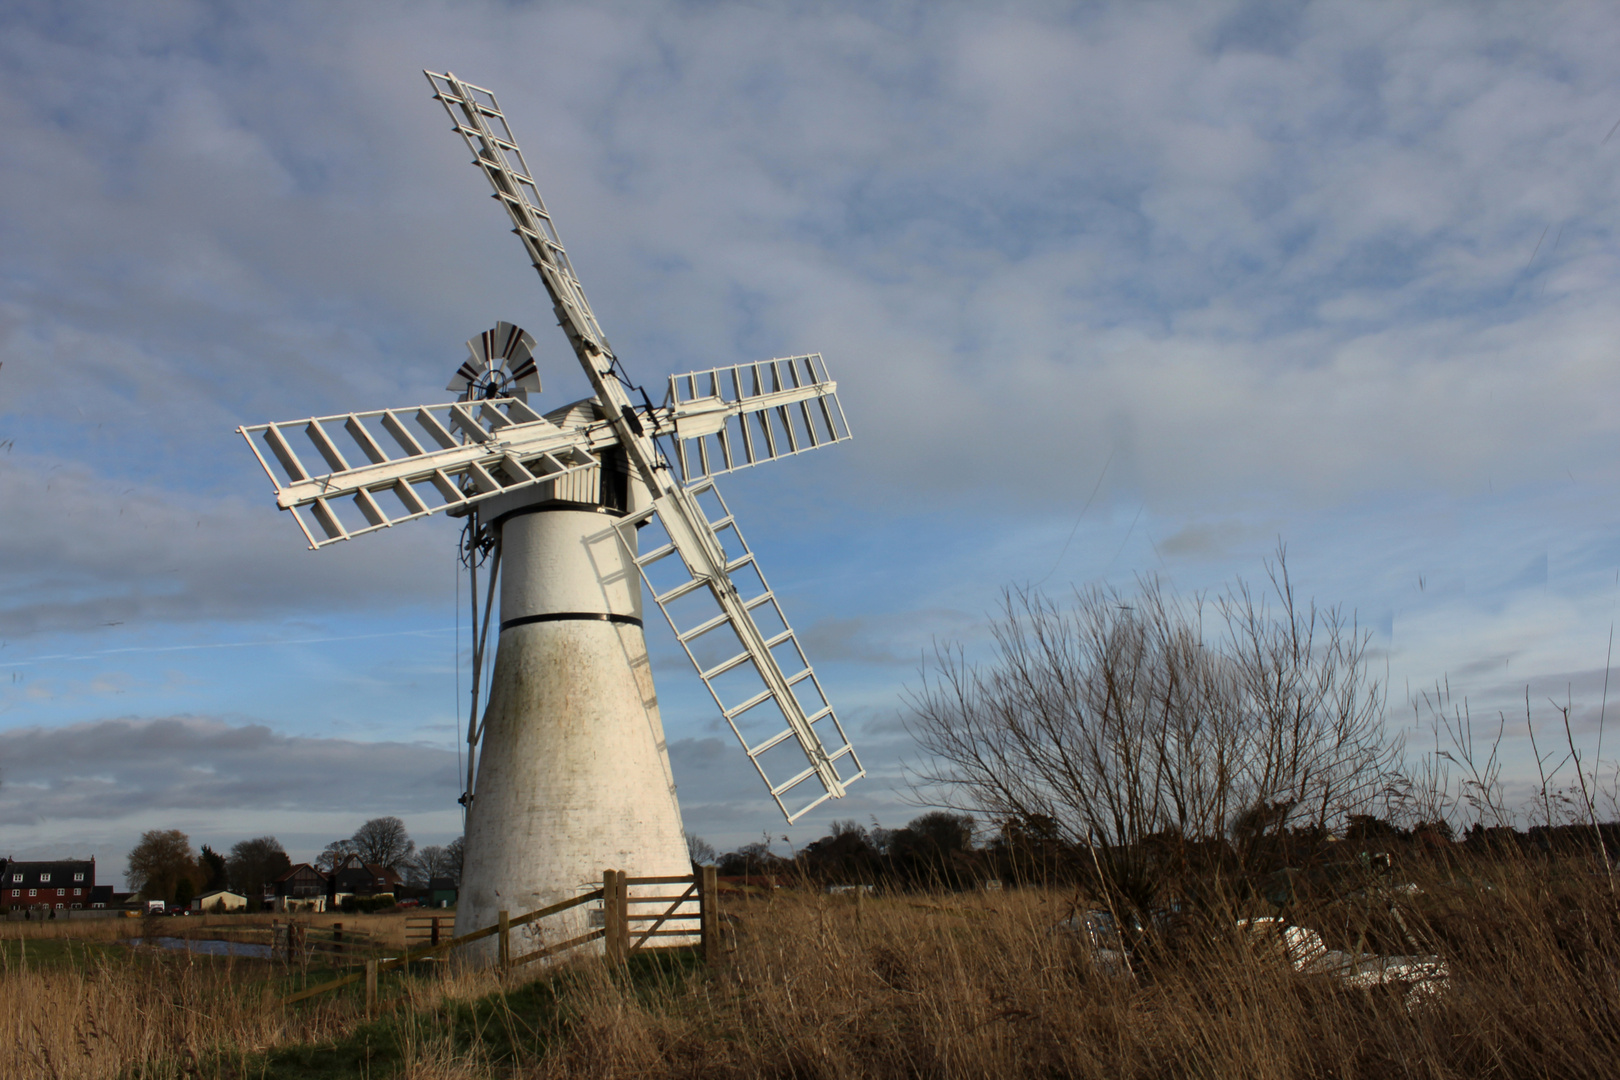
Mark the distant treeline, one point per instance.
(938, 850)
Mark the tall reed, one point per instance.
(988, 984)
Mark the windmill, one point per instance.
(573, 511)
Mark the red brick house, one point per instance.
(46, 886)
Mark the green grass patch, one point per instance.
(42, 954)
(504, 1029)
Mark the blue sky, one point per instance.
(1338, 274)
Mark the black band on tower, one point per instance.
(571, 616)
(551, 505)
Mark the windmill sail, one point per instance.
(727, 619)
(728, 418)
(478, 119)
(482, 448)
(479, 449)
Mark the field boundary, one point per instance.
(616, 930)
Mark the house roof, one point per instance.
(351, 867)
(60, 871)
(301, 866)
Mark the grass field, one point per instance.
(939, 985)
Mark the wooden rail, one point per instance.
(430, 929)
(701, 888)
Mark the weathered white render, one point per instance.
(573, 773)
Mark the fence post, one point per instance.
(622, 894)
(610, 916)
(506, 940)
(371, 986)
(709, 913)
(434, 940)
(337, 937)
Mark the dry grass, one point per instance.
(108, 928)
(98, 1010)
(902, 990)
(76, 1001)
(946, 986)
(386, 928)
(108, 1013)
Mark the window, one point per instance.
(76, 892)
(78, 877)
(76, 907)
(16, 877)
(59, 906)
(43, 878)
(33, 892)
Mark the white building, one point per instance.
(219, 900)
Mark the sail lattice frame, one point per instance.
(804, 724)
(728, 418)
(412, 462)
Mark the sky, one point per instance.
(1109, 290)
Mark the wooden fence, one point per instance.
(295, 939)
(629, 925)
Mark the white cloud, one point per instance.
(99, 785)
(82, 549)
(1135, 231)
(114, 768)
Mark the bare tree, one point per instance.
(455, 854)
(333, 854)
(1309, 703)
(383, 842)
(699, 850)
(1125, 721)
(434, 861)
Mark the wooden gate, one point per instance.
(629, 925)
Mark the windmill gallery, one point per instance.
(570, 512)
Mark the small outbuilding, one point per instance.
(219, 900)
(441, 892)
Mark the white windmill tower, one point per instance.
(574, 510)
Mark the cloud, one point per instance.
(81, 549)
(192, 766)
(1300, 263)
(855, 639)
(1204, 539)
